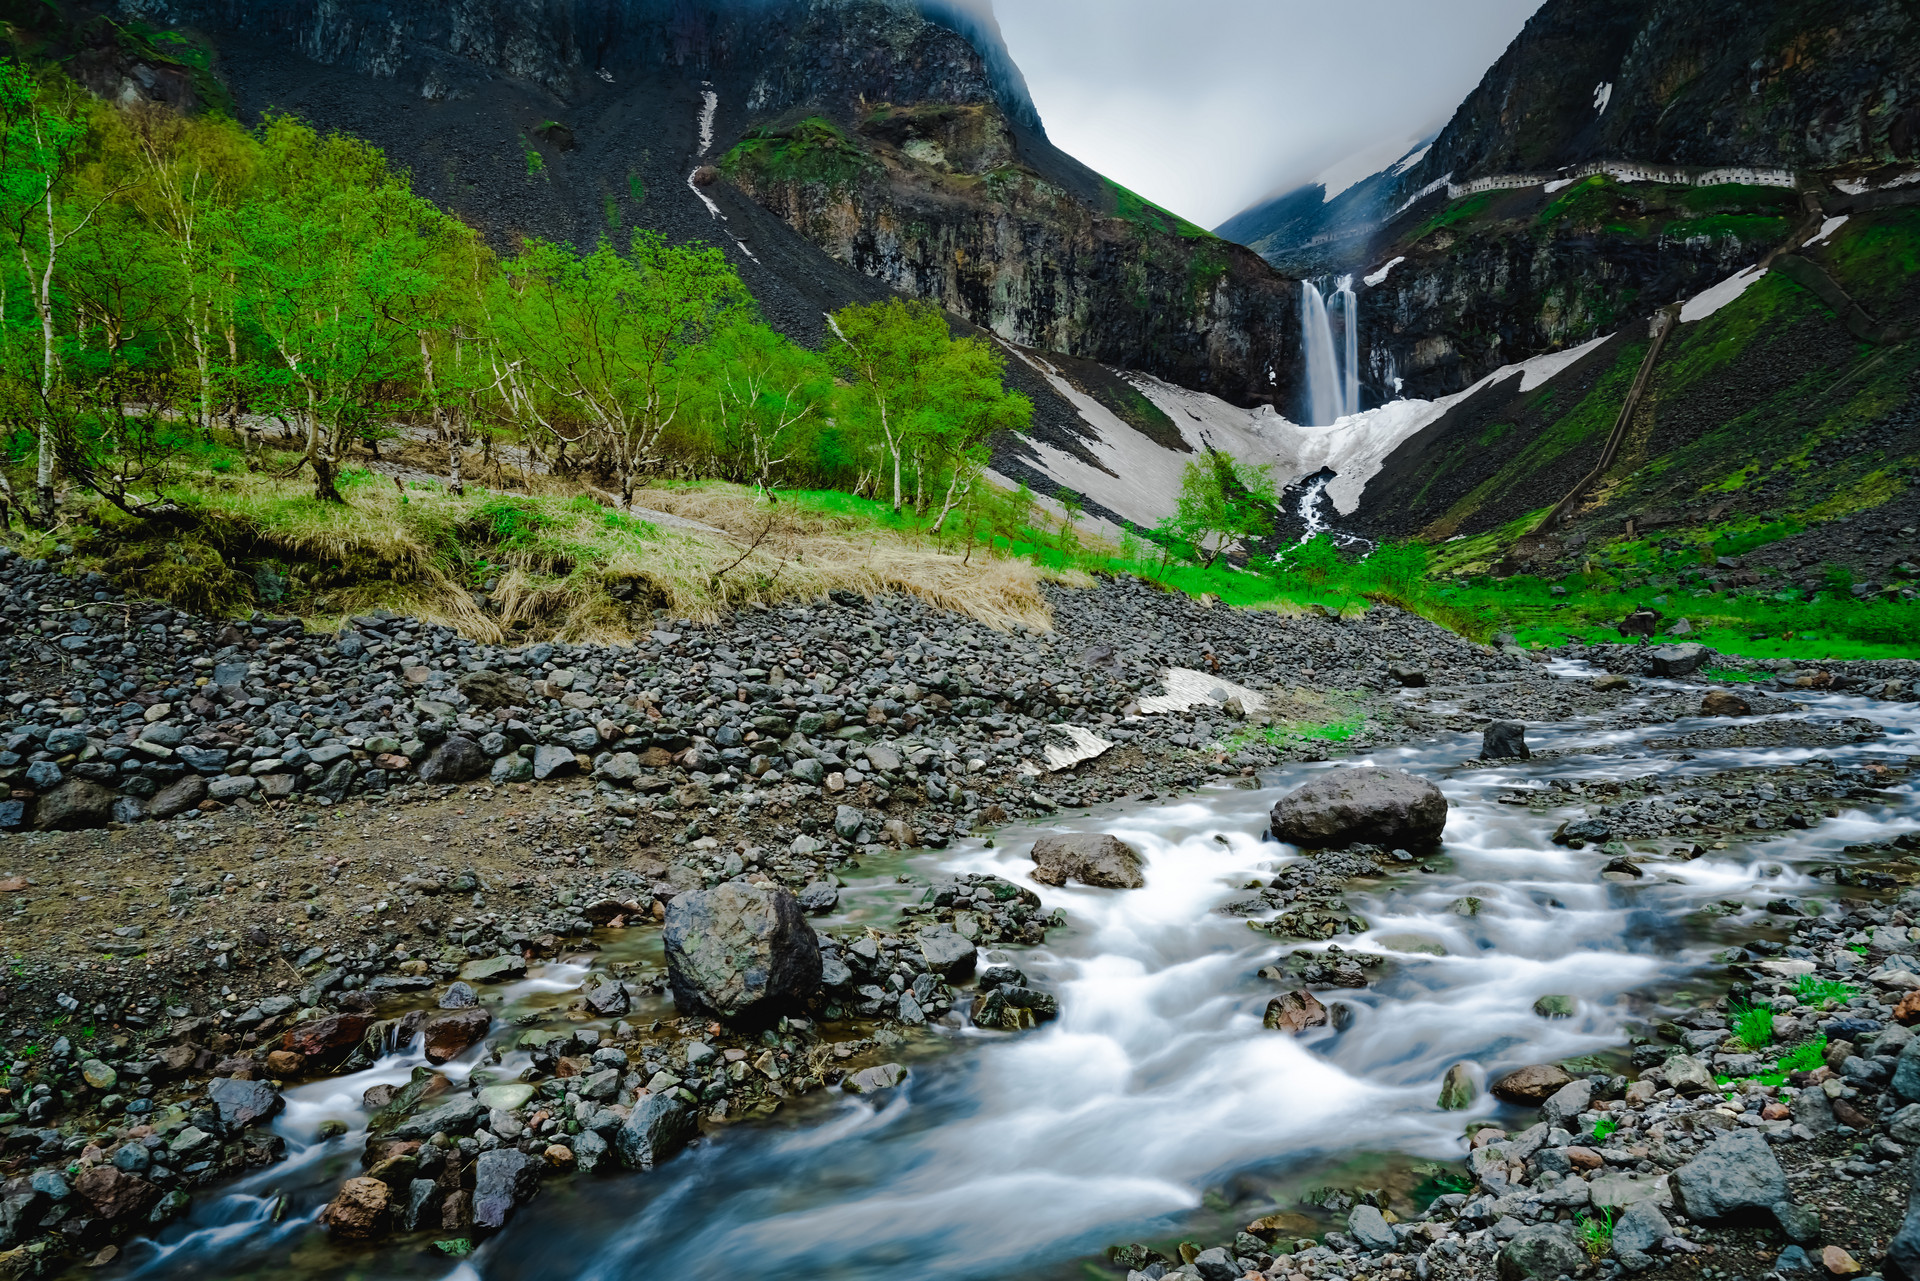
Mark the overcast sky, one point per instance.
(1206, 106)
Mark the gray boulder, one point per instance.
(1370, 1228)
(1567, 1103)
(1639, 1231)
(496, 689)
(659, 1127)
(1215, 1265)
(740, 951)
(947, 954)
(1678, 660)
(549, 761)
(1734, 1177)
(241, 1103)
(1504, 740)
(1540, 1253)
(1346, 806)
(502, 1179)
(1906, 1072)
(178, 797)
(819, 898)
(457, 760)
(1091, 858)
(459, 1117)
(73, 806)
(1814, 1110)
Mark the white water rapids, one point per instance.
(1014, 1155)
(1332, 363)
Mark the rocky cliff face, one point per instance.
(953, 203)
(1786, 83)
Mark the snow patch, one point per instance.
(1085, 746)
(709, 104)
(1187, 688)
(1827, 228)
(1424, 192)
(1410, 160)
(1710, 300)
(1380, 276)
(1602, 95)
(1558, 183)
(1852, 186)
(1541, 369)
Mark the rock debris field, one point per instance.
(243, 855)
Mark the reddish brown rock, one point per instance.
(114, 1194)
(285, 1064)
(325, 1036)
(1531, 1086)
(1720, 702)
(358, 1211)
(1295, 1012)
(1908, 1011)
(1585, 1158)
(448, 1034)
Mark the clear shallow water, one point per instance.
(1016, 1155)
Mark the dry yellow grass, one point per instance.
(573, 569)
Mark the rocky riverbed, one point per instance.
(244, 856)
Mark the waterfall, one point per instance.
(1333, 372)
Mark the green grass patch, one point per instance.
(814, 150)
(1595, 1231)
(1816, 991)
(1461, 210)
(1135, 208)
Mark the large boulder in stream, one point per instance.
(740, 951)
(1091, 858)
(1344, 807)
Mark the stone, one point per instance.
(589, 1151)
(98, 1075)
(609, 999)
(1813, 1109)
(1903, 1253)
(739, 951)
(74, 806)
(1408, 677)
(242, 1103)
(358, 1211)
(1371, 1229)
(819, 898)
(553, 762)
(285, 1064)
(1345, 806)
(1720, 702)
(1457, 1089)
(1688, 1075)
(502, 1179)
(1216, 1265)
(1838, 1262)
(1640, 1229)
(230, 788)
(1567, 1103)
(459, 996)
(458, 1117)
(178, 797)
(507, 1096)
(1799, 1223)
(659, 1126)
(1541, 1252)
(1295, 1012)
(1091, 858)
(327, 1035)
(947, 954)
(1504, 740)
(1556, 1006)
(1531, 1086)
(1736, 1176)
(458, 759)
(1678, 660)
(449, 1034)
(114, 1194)
(490, 689)
(1624, 1189)
(874, 1079)
(1905, 1085)
(495, 969)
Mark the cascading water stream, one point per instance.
(1014, 1155)
(1332, 364)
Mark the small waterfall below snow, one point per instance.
(1332, 363)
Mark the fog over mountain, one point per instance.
(1207, 106)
